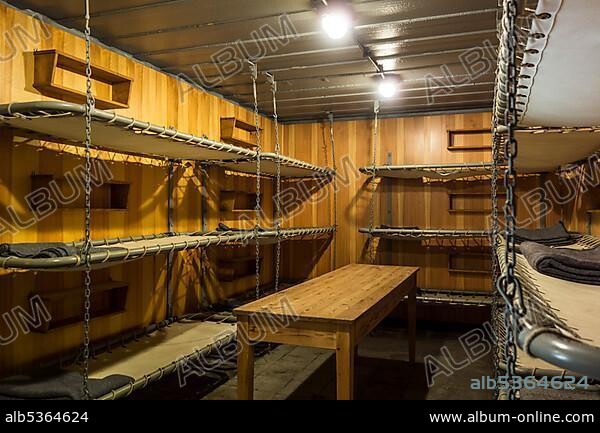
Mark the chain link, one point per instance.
(508, 284)
(87, 246)
(372, 248)
(278, 183)
(335, 190)
(257, 208)
(495, 232)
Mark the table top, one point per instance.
(343, 295)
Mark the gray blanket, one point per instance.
(57, 385)
(570, 265)
(225, 228)
(556, 235)
(38, 251)
(48, 250)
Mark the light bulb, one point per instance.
(388, 88)
(336, 23)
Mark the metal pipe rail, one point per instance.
(153, 245)
(561, 351)
(431, 171)
(427, 233)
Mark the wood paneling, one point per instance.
(155, 97)
(162, 99)
(398, 202)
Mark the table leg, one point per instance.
(412, 325)
(245, 363)
(345, 359)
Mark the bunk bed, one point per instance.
(110, 252)
(423, 234)
(552, 122)
(431, 171)
(562, 321)
(64, 122)
(126, 364)
(162, 352)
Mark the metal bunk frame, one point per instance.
(188, 241)
(551, 343)
(431, 171)
(21, 116)
(196, 353)
(515, 83)
(417, 234)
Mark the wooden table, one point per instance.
(334, 311)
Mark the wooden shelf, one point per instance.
(469, 139)
(112, 90)
(233, 269)
(237, 202)
(111, 196)
(238, 132)
(474, 263)
(466, 202)
(66, 306)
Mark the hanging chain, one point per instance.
(278, 183)
(508, 284)
(495, 232)
(87, 246)
(372, 251)
(335, 190)
(257, 208)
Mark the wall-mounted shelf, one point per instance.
(469, 139)
(112, 90)
(237, 201)
(476, 263)
(66, 306)
(471, 202)
(112, 196)
(238, 132)
(233, 269)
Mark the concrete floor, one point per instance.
(383, 372)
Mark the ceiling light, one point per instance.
(388, 88)
(336, 22)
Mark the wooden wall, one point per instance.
(157, 98)
(415, 140)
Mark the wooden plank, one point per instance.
(341, 296)
(299, 333)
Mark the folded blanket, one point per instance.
(387, 227)
(57, 385)
(556, 235)
(225, 228)
(38, 251)
(578, 266)
(49, 250)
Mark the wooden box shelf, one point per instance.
(238, 202)
(111, 90)
(468, 262)
(110, 196)
(237, 268)
(469, 139)
(472, 202)
(238, 132)
(66, 306)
